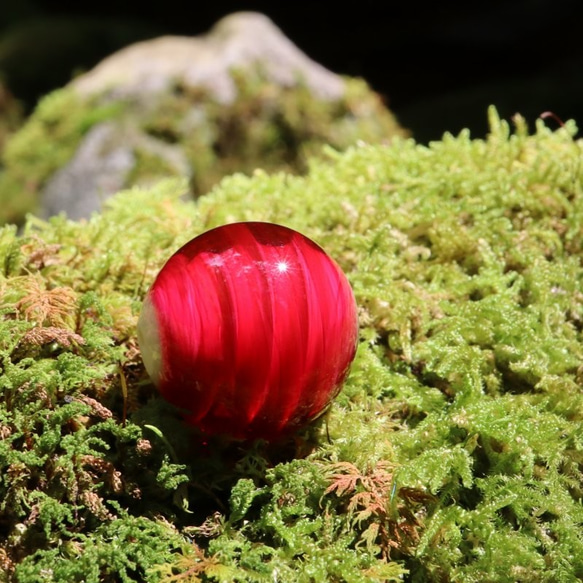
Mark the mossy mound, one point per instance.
(456, 446)
(187, 132)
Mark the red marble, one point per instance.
(250, 329)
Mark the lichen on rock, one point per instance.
(455, 448)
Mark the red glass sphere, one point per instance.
(250, 329)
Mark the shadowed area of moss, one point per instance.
(456, 446)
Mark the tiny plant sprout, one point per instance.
(249, 329)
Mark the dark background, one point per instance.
(438, 65)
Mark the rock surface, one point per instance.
(100, 168)
(236, 41)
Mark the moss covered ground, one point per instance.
(454, 452)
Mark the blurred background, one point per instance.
(438, 66)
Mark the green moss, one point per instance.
(11, 114)
(456, 446)
(150, 168)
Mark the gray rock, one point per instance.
(238, 40)
(143, 72)
(101, 167)
(98, 169)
